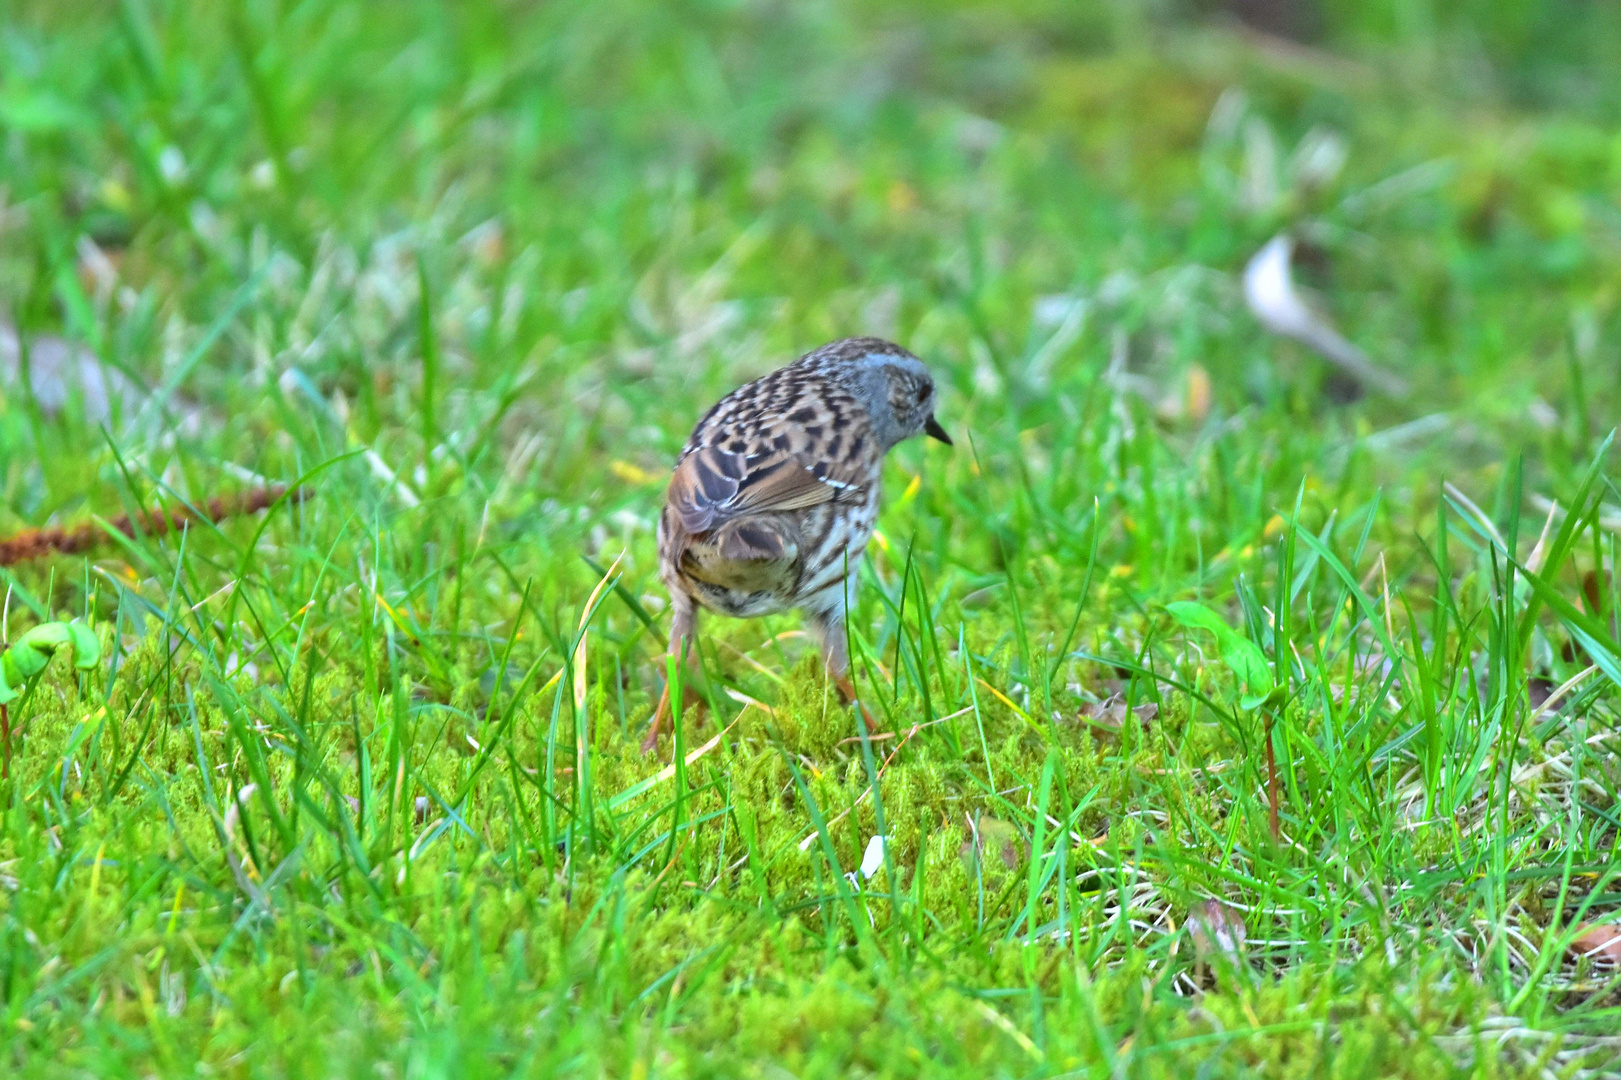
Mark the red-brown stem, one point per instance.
(35, 543)
(1271, 780)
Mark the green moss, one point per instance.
(809, 717)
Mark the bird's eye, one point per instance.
(922, 394)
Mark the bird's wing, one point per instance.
(712, 487)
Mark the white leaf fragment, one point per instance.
(873, 859)
(1217, 930)
(1269, 290)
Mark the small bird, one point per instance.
(774, 495)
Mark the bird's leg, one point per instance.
(829, 627)
(684, 619)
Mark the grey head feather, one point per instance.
(892, 385)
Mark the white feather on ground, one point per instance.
(1269, 290)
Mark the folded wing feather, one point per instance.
(723, 505)
(712, 487)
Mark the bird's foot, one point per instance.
(847, 691)
(691, 700)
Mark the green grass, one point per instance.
(356, 789)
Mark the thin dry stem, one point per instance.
(38, 543)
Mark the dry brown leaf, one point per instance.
(997, 837)
(1596, 592)
(1198, 393)
(1108, 717)
(1600, 941)
(1217, 930)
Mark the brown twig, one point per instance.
(37, 543)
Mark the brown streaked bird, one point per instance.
(774, 496)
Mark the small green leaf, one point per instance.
(1198, 616)
(86, 646)
(46, 636)
(23, 661)
(28, 656)
(1239, 653)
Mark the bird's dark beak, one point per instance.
(934, 431)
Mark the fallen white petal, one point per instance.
(874, 857)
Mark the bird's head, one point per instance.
(893, 385)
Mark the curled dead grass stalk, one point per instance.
(38, 543)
